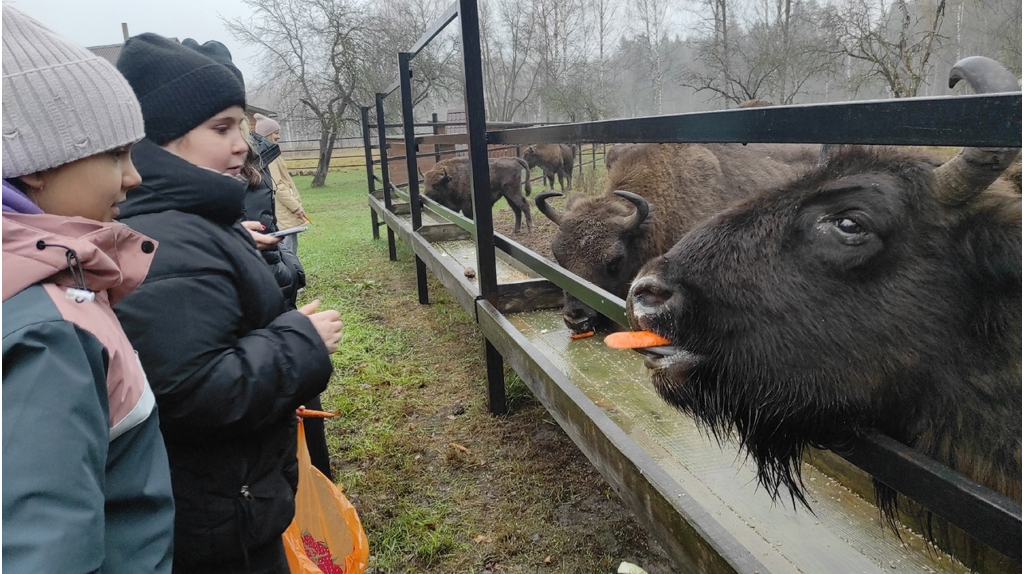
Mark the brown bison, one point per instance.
(448, 183)
(655, 194)
(552, 159)
(879, 290)
(616, 152)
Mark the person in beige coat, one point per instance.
(288, 204)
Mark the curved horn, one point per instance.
(642, 209)
(962, 178)
(549, 211)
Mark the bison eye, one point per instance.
(847, 225)
(613, 266)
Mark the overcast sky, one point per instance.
(98, 22)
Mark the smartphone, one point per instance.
(289, 231)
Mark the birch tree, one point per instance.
(650, 24)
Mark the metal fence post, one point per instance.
(436, 131)
(412, 167)
(364, 114)
(476, 128)
(385, 178)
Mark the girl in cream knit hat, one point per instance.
(86, 483)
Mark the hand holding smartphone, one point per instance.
(289, 231)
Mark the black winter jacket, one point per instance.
(259, 206)
(259, 202)
(227, 362)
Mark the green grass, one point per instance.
(410, 382)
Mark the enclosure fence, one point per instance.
(980, 120)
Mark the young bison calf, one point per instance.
(552, 159)
(448, 183)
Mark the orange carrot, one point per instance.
(311, 414)
(635, 340)
(581, 335)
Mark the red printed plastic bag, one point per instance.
(325, 536)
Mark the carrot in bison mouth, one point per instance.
(659, 353)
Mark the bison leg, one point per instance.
(549, 178)
(561, 182)
(519, 204)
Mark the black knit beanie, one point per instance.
(217, 52)
(178, 87)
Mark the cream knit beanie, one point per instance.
(266, 126)
(61, 102)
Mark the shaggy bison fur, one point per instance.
(655, 194)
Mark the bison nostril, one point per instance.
(650, 293)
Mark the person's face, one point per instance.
(216, 144)
(275, 137)
(90, 187)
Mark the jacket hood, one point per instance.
(16, 201)
(113, 258)
(172, 183)
(267, 150)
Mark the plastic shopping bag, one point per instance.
(325, 536)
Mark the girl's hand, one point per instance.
(262, 241)
(327, 324)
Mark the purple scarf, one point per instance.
(16, 201)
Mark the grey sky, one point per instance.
(98, 22)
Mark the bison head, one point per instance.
(878, 290)
(435, 186)
(530, 156)
(600, 240)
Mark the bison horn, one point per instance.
(962, 178)
(642, 209)
(549, 211)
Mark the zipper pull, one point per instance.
(245, 492)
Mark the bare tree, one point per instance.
(895, 41)
(990, 28)
(714, 68)
(562, 45)
(650, 23)
(397, 25)
(314, 49)
(770, 51)
(508, 38)
(786, 37)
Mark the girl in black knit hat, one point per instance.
(228, 361)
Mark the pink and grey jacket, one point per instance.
(81, 437)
